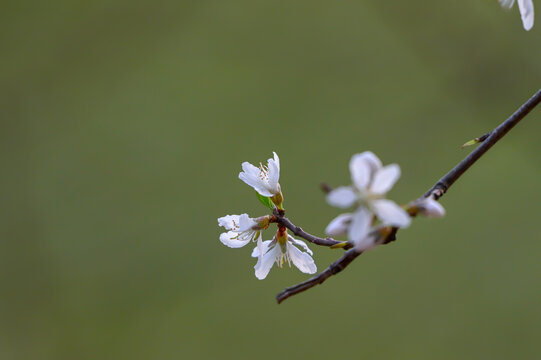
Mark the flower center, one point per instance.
(263, 172)
(284, 257)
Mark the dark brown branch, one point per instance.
(280, 219)
(435, 191)
(333, 269)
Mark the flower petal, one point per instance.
(250, 175)
(261, 249)
(339, 225)
(431, 208)
(385, 178)
(342, 197)
(300, 243)
(265, 262)
(229, 222)
(526, 13)
(507, 3)
(366, 243)
(246, 223)
(391, 214)
(360, 224)
(303, 261)
(361, 171)
(230, 239)
(274, 173)
(362, 168)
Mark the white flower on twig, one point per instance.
(264, 179)
(241, 229)
(526, 11)
(371, 181)
(282, 250)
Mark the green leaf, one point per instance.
(470, 143)
(265, 200)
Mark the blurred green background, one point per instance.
(123, 128)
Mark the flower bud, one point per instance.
(430, 208)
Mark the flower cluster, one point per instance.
(526, 11)
(241, 229)
(373, 214)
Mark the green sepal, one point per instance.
(265, 200)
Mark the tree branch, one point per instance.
(436, 191)
(333, 269)
(495, 135)
(280, 219)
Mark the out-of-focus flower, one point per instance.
(282, 249)
(526, 11)
(371, 181)
(339, 225)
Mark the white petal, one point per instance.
(431, 208)
(384, 179)
(229, 239)
(507, 3)
(360, 224)
(264, 263)
(342, 197)
(274, 177)
(391, 214)
(301, 260)
(366, 243)
(250, 170)
(339, 225)
(229, 222)
(246, 223)
(372, 159)
(276, 159)
(300, 243)
(361, 168)
(250, 175)
(526, 12)
(261, 248)
(274, 172)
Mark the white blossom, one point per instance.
(371, 181)
(264, 179)
(526, 11)
(241, 229)
(280, 252)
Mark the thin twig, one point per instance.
(280, 219)
(495, 135)
(333, 269)
(435, 192)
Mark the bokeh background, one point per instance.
(123, 126)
